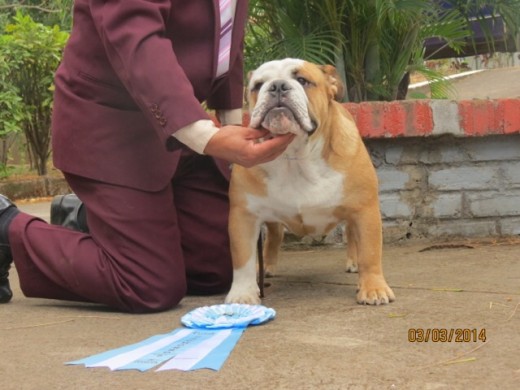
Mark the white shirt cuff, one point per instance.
(197, 135)
(230, 117)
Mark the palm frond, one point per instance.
(440, 86)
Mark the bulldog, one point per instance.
(324, 177)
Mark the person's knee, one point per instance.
(161, 296)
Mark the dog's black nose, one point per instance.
(279, 88)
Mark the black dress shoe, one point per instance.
(69, 211)
(7, 212)
(5, 263)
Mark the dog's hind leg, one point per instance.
(367, 234)
(273, 241)
(352, 255)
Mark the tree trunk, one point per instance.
(372, 72)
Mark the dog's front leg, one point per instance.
(367, 235)
(244, 229)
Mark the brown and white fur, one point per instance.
(323, 178)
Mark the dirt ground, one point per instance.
(320, 339)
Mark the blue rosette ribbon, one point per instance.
(225, 316)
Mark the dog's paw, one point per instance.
(351, 266)
(374, 291)
(249, 295)
(269, 272)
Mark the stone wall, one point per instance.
(445, 186)
(446, 168)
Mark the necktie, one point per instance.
(227, 8)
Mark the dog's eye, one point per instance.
(303, 81)
(257, 86)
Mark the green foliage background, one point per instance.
(374, 44)
(29, 55)
(48, 12)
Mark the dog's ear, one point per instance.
(336, 85)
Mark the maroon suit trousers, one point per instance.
(145, 250)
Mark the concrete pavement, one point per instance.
(321, 339)
(496, 83)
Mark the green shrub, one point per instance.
(11, 113)
(29, 55)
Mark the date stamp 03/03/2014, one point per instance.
(446, 335)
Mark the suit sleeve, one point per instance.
(133, 34)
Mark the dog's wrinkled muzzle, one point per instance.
(282, 108)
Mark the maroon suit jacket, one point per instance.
(133, 73)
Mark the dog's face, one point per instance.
(290, 95)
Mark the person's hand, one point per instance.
(246, 146)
